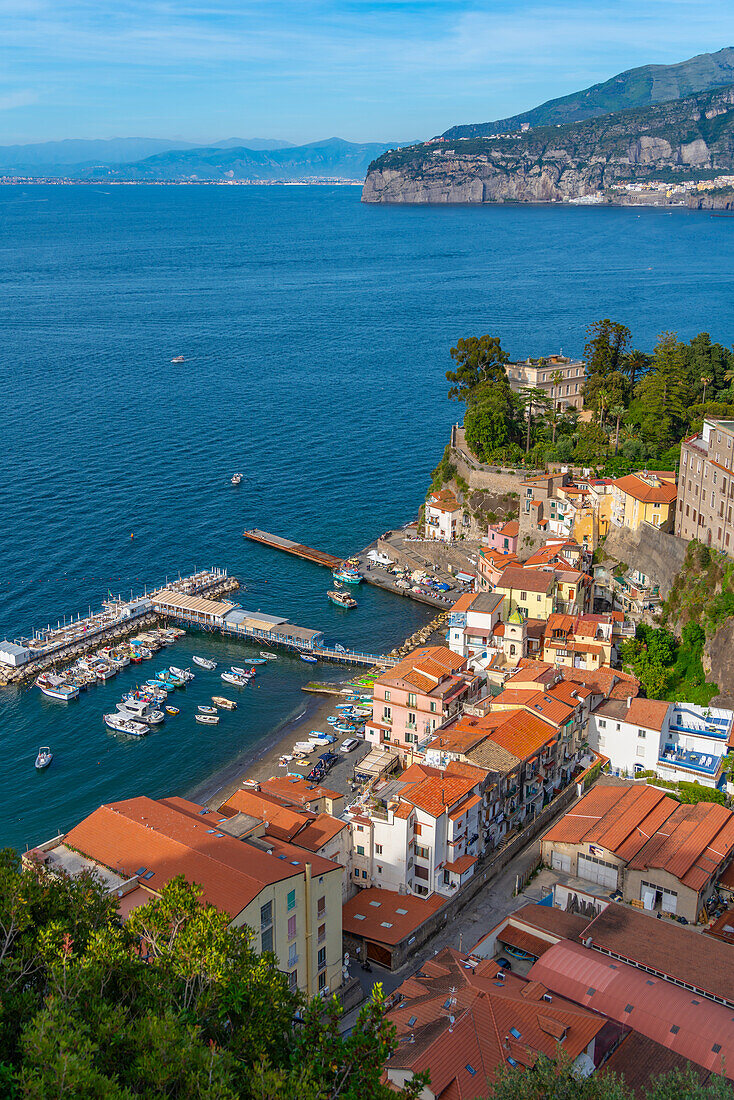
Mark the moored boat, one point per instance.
(44, 758)
(207, 710)
(172, 710)
(308, 657)
(268, 656)
(236, 479)
(207, 719)
(242, 671)
(55, 687)
(140, 710)
(118, 724)
(204, 662)
(233, 678)
(226, 704)
(347, 575)
(184, 674)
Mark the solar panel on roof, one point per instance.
(412, 1021)
(140, 870)
(716, 1048)
(674, 1029)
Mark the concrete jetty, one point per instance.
(295, 548)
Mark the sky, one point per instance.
(301, 70)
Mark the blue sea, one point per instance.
(316, 333)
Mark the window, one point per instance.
(266, 915)
(292, 955)
(266, 941)
(378, 849)
(523, 595)
(641, 735)
(321, 907)
(322, 980)
(364, 874)
(387, 712)
(422, 852)
(293, 981)
(322, 933)
(641, 750)
(602, 724)
(291, 900)
(360, 849)
(322, 958)
(387, 696)
(433, 707)
(291, 928)
(412, 701)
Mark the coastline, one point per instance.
(261, 761)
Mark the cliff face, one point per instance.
(556, 163)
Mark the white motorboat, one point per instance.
(236, 479)
(207, 719)
(118, 724)
(204, 662)
(184, 674)
(106, 672)
(268, 656)
(139, 710)
(242, 671)
(233, 678)
(207, 710)
(44, 758)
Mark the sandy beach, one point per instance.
(263, 761)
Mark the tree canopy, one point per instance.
(174, 1003)
(478, 359)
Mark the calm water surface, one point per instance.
(316, 333)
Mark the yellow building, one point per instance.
(530, 591)
(291, 899)
(647, 497)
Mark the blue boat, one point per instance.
(307, 657)
(347, 576)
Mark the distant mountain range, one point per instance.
(150, 159)
(639, 87)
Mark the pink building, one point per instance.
(416, 697)
(503, 536)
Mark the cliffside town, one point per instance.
(684, 139)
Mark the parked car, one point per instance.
(349, 745)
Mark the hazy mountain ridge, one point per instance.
(640, 87)
(556, 163)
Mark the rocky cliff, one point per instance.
(557, 163)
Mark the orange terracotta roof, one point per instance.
(635, 487)
(464, 601)
(541, 703)
(530, 580)
(470, 803)
(650, 713)
(461, 865)
(455, 1020)
(510, 529)
(141, 832)
(297, 791)
(385, 916)
(523, 734)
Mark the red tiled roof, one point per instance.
(650, 713)
(530, 580)
(461, 865)
(169, 841)
(638, 1000)
(635, 487)
(523, 941)
(296, 790)
(454, 1019)
(378, 908)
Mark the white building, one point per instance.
(472, 623)
(678, 741)
(443, 516)
(420, 834)
(14, 655)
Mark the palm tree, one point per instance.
(618, 411)
(556, 379)
(635, 362)
(705, 379)
(603, 399)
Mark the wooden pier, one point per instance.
(318, 557)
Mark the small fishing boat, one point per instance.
(119, 724)
(54, 687)
(106, 672)
(169, 677)
(242, 671)
(236, 479)
(226, 704)
(207, 719)
(341, 598)
(172, 710)
(136, 656)
(237, 681)
(347, 576)
(332, 719)
(268, 656)
(308, 657)
(204, 662)
(140, 710)
(44, 758)
(257, 660)
(178, 359)
(207, 710)
(184, 674)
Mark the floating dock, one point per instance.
(295, 548)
